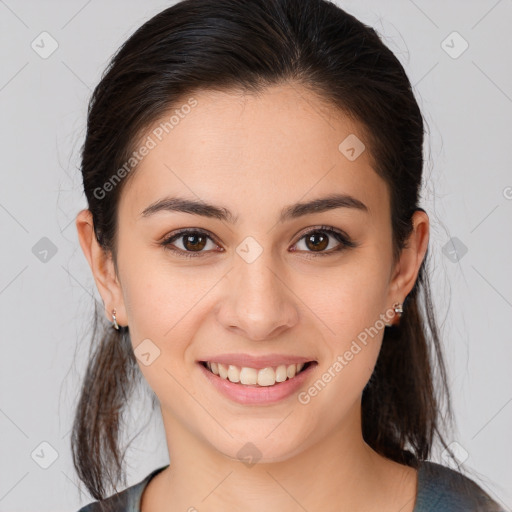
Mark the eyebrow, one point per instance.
(294, 211)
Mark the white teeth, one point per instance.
(223, 371)
(233, 373)
(251, 376)
(291, 370)
(267, 377)
(281, 373)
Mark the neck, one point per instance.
(340, 472)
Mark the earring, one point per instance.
(398, 308)
(115, 325)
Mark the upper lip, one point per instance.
(257, 362)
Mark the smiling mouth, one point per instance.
(252, 377)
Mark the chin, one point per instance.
(262, 450)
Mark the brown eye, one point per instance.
(192, 243)
(317, 241)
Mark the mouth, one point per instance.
(270, 376)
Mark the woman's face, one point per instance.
(256, 283)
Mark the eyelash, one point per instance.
(338, 235)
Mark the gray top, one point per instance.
(440, 489)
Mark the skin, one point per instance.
(258, 154)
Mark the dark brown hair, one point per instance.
(234, 45)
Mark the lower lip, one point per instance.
(248, 395)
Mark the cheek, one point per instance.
(349, 349)
(165, 303)
(348, 311)
(348, 299)
(162, 311)
(155, 293)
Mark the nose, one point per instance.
(258, 304)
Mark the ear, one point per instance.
(102, 267)
(411, 258)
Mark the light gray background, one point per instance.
(46, 306)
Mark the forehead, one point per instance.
(253, 151)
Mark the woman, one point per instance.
(253, 172)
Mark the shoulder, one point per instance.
(124, 501)
(443, 489)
